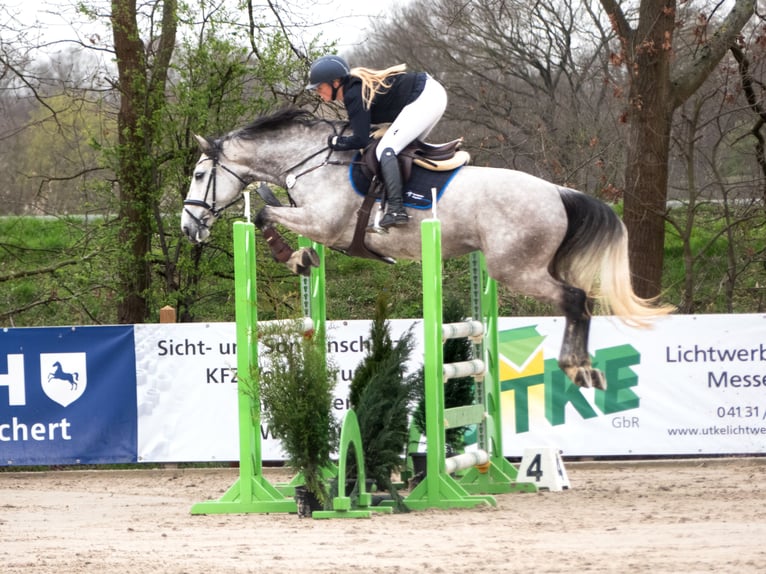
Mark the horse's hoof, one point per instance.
(309, 257)
(586, 377)
(301, 261)
(582, 378)
(598, 379)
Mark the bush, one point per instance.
(296, 392)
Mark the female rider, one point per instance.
(413, 102)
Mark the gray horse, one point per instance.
(548, 242)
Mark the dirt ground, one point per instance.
(670, 516)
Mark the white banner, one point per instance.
(187, 391)
(692, 385)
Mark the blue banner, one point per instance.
(67, 395)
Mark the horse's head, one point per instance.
(278, 149)
(216, 184)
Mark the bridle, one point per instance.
(290, 181)
(210, 190)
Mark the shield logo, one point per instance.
(63, 376)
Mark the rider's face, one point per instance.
(325, 90)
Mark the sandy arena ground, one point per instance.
(676, 517)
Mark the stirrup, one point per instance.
(394, 218)
(376, 228)
(374, 225)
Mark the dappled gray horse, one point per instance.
(538, 239)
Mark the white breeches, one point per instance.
(417, 119)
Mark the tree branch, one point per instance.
(282, 27)
(754, 103)
(687, 77)
(44, 270)
(619, 21)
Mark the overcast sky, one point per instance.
(342, 20)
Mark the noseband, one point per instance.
(210, 190)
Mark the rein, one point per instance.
(291, 179)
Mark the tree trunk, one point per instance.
(140, 100)
(650, 116)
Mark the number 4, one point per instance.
(535, 468)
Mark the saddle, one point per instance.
(434, 157)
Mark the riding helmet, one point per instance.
(326, 69)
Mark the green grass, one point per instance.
(79, 286)
(721, 282)
(53, 272)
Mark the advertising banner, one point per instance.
(692, 385)
(187, 387)
(67, 395)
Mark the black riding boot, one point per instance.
(392, 177)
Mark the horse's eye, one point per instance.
(199, 175)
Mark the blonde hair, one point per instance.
(375, 81)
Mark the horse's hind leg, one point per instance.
(574, 359)
(532, 278)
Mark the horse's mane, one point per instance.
(272, 122)
(275, 121)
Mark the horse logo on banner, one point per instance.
(63, 376)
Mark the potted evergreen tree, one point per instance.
(296, 392)
(381, 395)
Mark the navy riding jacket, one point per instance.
(385, 107)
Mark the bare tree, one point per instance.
(526, 82)
(716, 185)
(754, 88)
(659, 81)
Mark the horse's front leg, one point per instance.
(574, 359)
(321, 222)
(299, 262)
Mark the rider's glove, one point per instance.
(339, 143)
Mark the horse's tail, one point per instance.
(594, 257)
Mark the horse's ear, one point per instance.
(204, 144)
